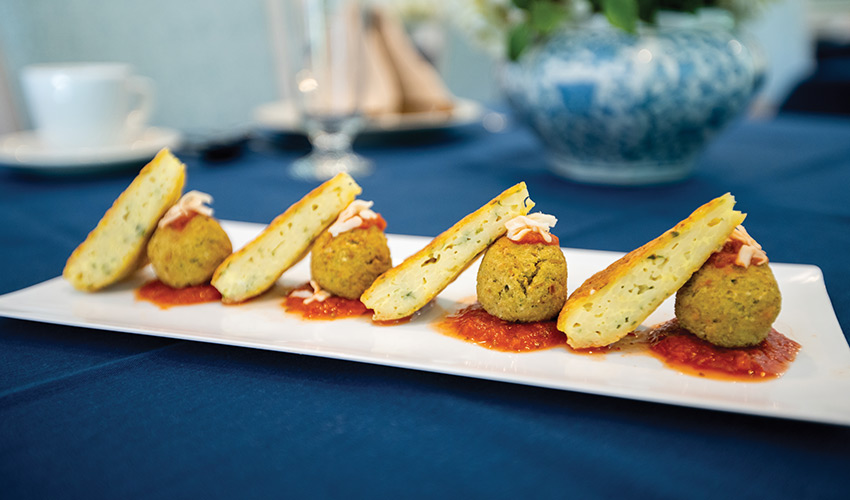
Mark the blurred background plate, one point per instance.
(281, 117)
(22, 151)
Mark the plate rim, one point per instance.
(151, 140)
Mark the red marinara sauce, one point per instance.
(180, 223)
(377, 221)
(533, 237)
(476, 325)
(726, 256)
(332, 307)
(685, 351)
(165, 296)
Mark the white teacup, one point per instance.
(86, 105)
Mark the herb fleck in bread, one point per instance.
(406, 288)
(616, 300)
(254, 269)
(116, 247)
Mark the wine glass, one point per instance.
(327, 77)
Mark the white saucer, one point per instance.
(23, 151)
(281, 116)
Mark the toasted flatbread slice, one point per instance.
(406, 288)
(116, 246)
(616, 300)
(254, 269)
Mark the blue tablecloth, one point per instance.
(87, 413)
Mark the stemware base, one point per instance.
(322, 166)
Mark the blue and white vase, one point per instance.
(621, 109)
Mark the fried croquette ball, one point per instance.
(347, 264)
(522, 281)
(729, 306)
(187, 254)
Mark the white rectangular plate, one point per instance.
(814, 388)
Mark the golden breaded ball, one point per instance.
(346, 265)
(522, 281)
(729, 306)
(187, 255)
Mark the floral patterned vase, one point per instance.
(621, 109)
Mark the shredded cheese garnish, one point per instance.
(750, 252)
(317, 295)
(193, 201)
(352, 217)
(538, 222)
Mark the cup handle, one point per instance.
(142, 88)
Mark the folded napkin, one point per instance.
(398, 78)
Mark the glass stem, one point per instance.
(334, 143)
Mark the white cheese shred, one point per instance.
(352, 217)
(750, 252)
(538, 222)
(193, 201)
(317, 295)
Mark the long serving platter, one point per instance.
(813, 389)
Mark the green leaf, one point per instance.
(519, 39)
(546, 17)
(522, 4)
(622, 13)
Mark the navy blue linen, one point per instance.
(96, 414)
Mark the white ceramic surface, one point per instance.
(86, 104)
(25, 152)
(813, 389)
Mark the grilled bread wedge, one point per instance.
(616, 300)
(406, 288)
(116, 246)
(254, 269)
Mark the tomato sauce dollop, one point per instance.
(533, 237)
(164, 296)
(377, 221)
(476, 325)
(332, 307)
(682, 349)
(727, 255)
(180, 223)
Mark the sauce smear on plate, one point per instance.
(165, 296)
(332, 307)
(682, 350)
(476, 325)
